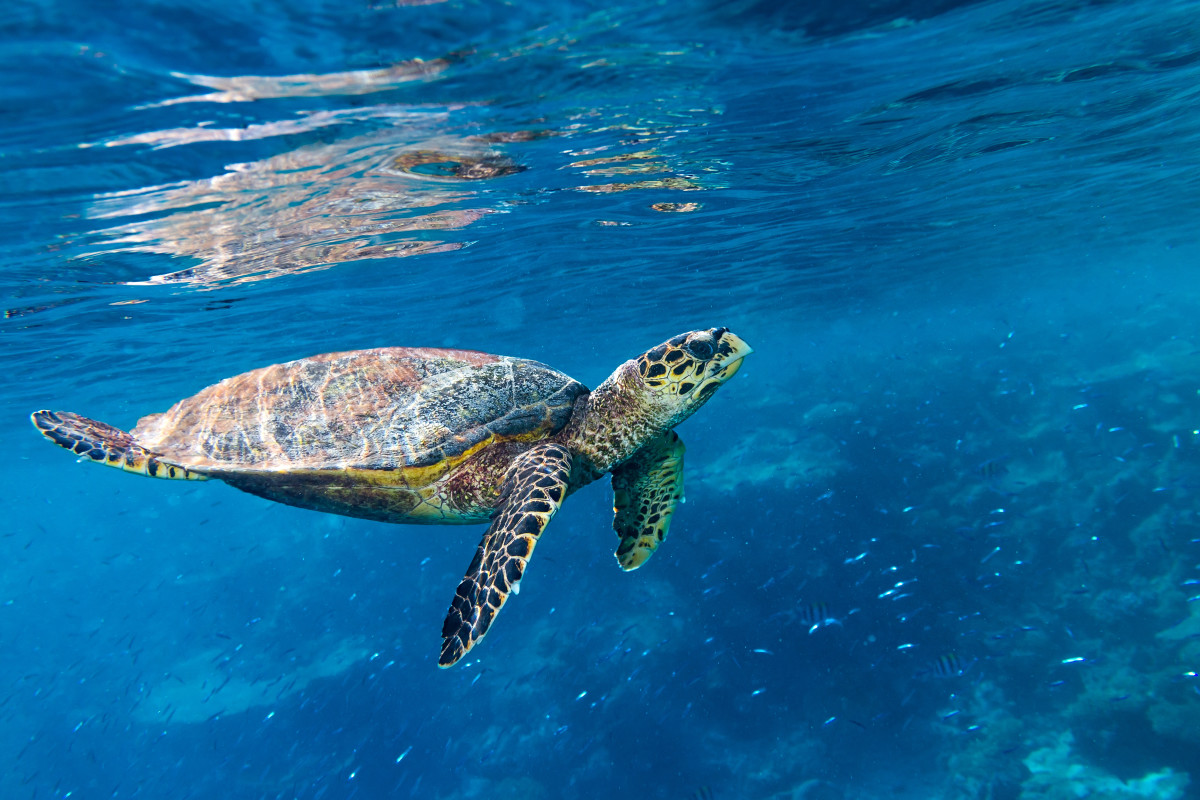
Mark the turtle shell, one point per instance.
(383, 409)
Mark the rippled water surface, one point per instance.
(941, 534)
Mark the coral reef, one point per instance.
(1055, 774)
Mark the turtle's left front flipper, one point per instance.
(533, 490)
(646, 490)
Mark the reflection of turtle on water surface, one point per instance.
(468, 166)
(431, 163)
(438, 436)
(314, 207)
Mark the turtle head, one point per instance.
(653, 393)
(679, 375)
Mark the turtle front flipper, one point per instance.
(532, 492)
(105, 444)
(646, 489)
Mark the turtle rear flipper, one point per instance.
(105, 444)
(646, 489)
(533, 491)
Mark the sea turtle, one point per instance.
(424, 435)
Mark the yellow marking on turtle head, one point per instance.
(683, 372)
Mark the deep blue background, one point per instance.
(960, 236)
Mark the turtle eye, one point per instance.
(700, 348)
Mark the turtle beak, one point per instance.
(732, 349)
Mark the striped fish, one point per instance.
(816, 615)
(949, 665)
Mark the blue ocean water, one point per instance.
(941, 534)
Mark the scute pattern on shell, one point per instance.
(385, 408)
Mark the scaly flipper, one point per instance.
(534, 488)
(107, 445)
(646, 489)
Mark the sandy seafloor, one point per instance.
(940, 537)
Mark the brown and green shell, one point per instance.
(414, 412)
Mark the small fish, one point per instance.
(948, 665)
(813, 612)
(703, 793)
(817, 615)
(993, 468)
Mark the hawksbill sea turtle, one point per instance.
(421, 435)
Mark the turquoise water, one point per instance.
(941, 535)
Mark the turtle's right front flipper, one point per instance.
(646, 490)
(532, 492)
(106, 445)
